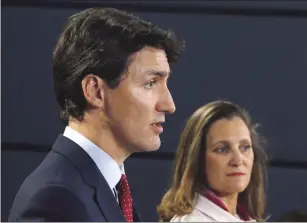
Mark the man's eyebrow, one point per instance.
(158, 73)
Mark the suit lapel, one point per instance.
(136, 215)
(107, 202)
(104, 196)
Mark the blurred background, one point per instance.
(253, 53)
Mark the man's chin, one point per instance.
(150, 147)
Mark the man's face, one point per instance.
(136, 109)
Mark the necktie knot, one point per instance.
(125, 198)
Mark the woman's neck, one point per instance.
(230, 202)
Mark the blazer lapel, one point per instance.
(104, 196)
(213, 211)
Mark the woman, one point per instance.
(220, 169)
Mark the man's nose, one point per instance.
(167, 103)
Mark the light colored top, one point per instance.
(207, 211)
(106, 164)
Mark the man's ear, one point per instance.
(93, 88)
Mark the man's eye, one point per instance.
(150, 84)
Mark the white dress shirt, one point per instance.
(108, 167)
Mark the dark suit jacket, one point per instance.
(66, 186)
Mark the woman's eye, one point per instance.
(222, 149)
(245, 147)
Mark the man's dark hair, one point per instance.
(100, 41)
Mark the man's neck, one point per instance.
(102, 138)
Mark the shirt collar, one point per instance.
(108, 167)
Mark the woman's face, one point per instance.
(229, 156)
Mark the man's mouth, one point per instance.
(157, 126)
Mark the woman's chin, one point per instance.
(237, 188)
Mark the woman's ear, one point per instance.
(93, 88)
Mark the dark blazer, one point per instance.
(66, 186)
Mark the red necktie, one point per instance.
(125, 198)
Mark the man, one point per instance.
(110, 72)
